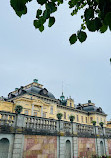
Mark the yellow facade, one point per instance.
(38, 104)
(6, 106)
(108, 124)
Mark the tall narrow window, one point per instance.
(26, 112)
(86, 119)
(97, 120)
(64, 115)
(51, 110)
(82, 119)
(104, 121)
(70, 104)
(77, 118)
(91, 119)
(35, 113)
(44, 114)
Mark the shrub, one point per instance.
(101, 124)
(59, 116)
(71, 117)
(18, 109)
(94, 123)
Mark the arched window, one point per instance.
(4, 147)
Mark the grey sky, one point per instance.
(25, 54)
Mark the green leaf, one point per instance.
(94, 25)
(20, 13)
(42, 2)
(41, 28)
(51, 21)
(73, 39)
(51, 6)
(42, 20)
(19, 6)
(60, 1)
(36, 23)
(107, 19)
(98, 23)
(82, 36)
(103, 28)
(89, 13)
(54, 1)
(46, 14)
(91, 25)
(39, 12)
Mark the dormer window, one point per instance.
(99, 109)
(44, 92)
(9, 95)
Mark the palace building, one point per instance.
(38, 101)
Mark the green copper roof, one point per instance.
(62, 97)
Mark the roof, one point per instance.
(40, 91)
(63, 102)
(32, 90)
(92, 108)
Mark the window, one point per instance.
(68, 116)
(35, 113)
(77, 118)
(91, 119)
(26, 112)
(86, 119)
(70, 104)
(97, 120)
(64, 115)
(82, 119)
(44, 114)
(51, 110)
(104, 121)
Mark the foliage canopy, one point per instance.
(96, 15)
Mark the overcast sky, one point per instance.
(25, 54)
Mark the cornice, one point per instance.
(71, 108)
(32, 94)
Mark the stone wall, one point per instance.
(86, 147)
(109, 146)
(36, 146)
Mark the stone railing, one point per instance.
(100, 131)
(85, 129)
(7, 119)
(38, 124)
(67, 127)
(13, 123)
(108, 132)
